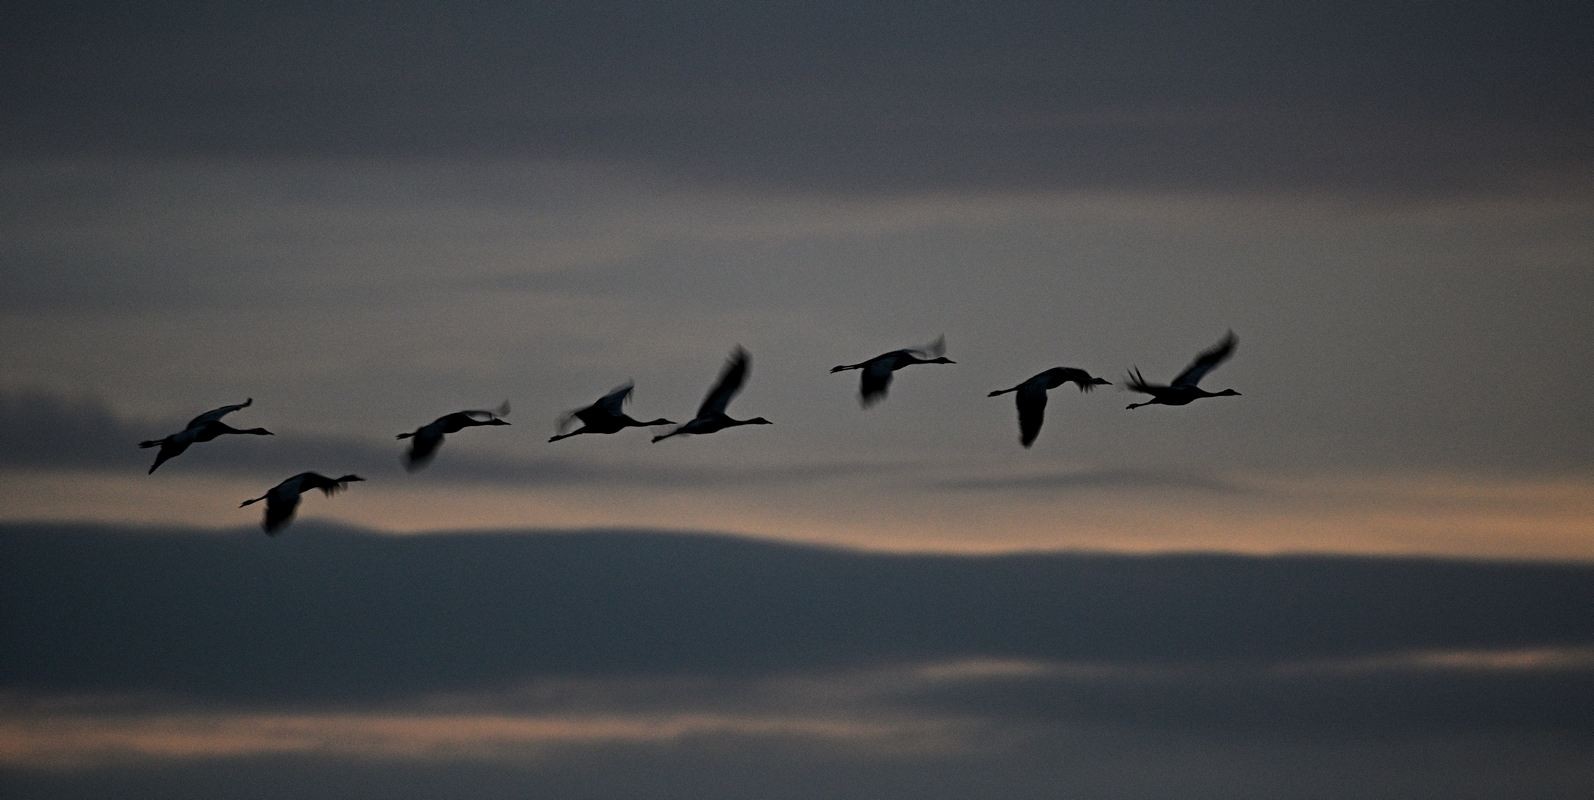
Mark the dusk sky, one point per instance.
(1370, 575)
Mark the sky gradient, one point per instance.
(366, 217)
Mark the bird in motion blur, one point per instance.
(283, 498)
(711, 415)
(1030, 397)
(605, 416)
(876, 379)
(427, 438)
(1184, 390)
(202, 428)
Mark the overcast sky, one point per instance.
(367, 216)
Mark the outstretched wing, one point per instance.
(1207, 361)
(215, 415)
(729, 383)
(1031, 401)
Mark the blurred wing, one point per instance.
(215, 415)
(935, 349)
(279, 509)
(614, 402)
(875, 381)
(1135, 382)
(1207, 361)
(730, 382)
(329, 486)
(422, 447)
(459, 420)
(1031, 403)
(1078, 377)
(571, 416)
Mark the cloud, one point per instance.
(65, 741)
(51, 430)
(243, 617)
(330, 661)
(834, 96)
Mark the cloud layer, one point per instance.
(240, 616)
(145, 656)
(832, 96)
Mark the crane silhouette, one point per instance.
(876, 378)
(711, 415)
(203, 428)
(427, 438)
(1030, 397)
(1184, 390)
(605, 416)
(282, 499)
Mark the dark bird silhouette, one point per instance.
(605, 416)
(202, 428)
(1184, 390)
(711, 414)
(877, 371)
(283, 498)
(429, 437)
(1031, 397)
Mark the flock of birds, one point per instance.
(607, 415)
